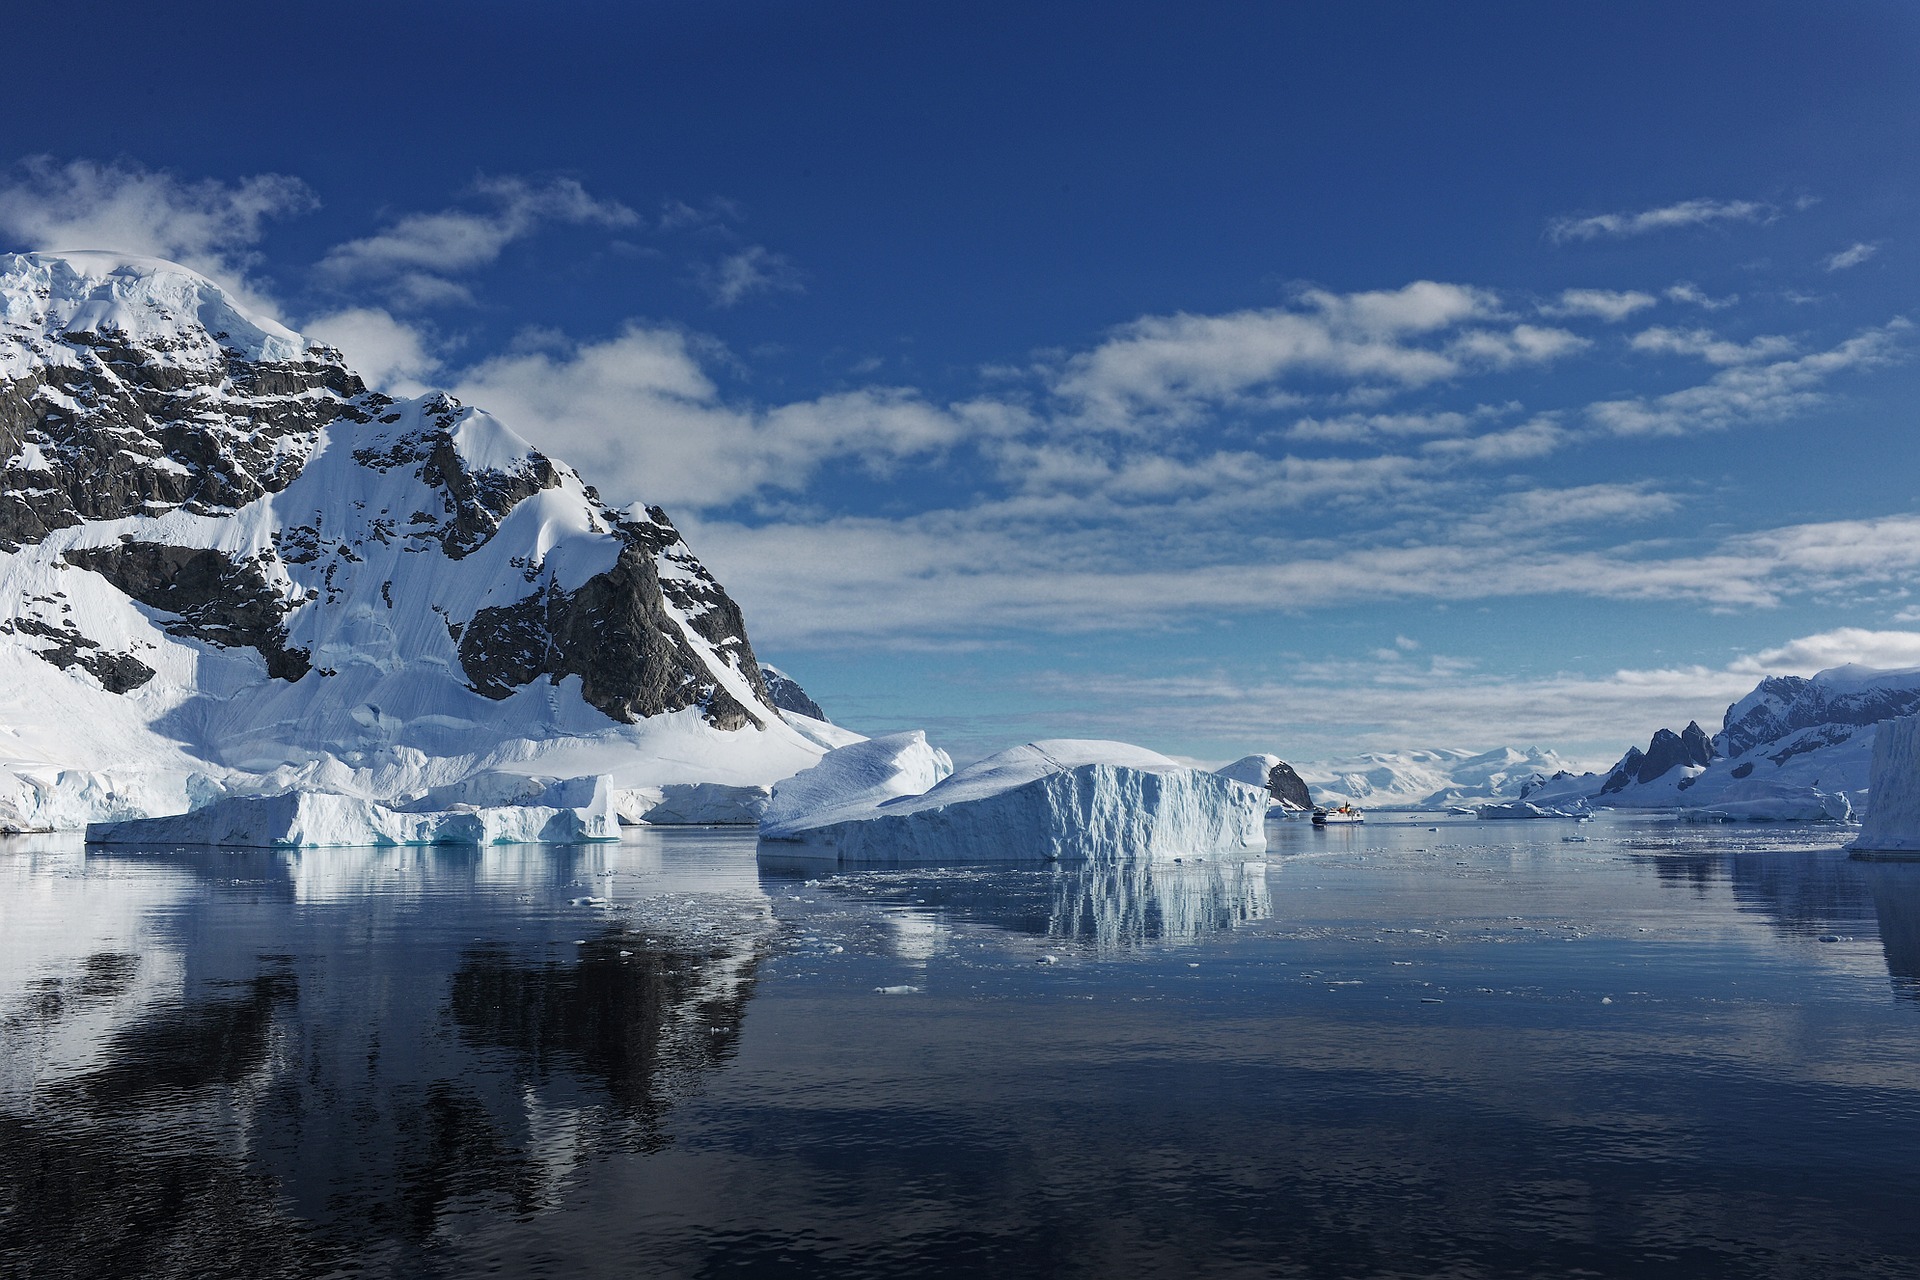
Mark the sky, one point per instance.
(1219, 377)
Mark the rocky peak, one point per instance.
(209, 483)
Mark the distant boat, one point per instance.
(1345, 813)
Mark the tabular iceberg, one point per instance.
(580, 809)
(1893, 811)
(1058, 799)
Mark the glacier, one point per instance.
(1067, 800)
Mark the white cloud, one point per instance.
(754, 269)
(1749, 393)
(1610, 305)
(1173, 367)
(639, 415)
(1687, 213)
(1839, 647)
(413, 260)
(1709, 347)
(208, 225)
(388, 354)
(1688, 292)
(1522, 344)
(1851, 256)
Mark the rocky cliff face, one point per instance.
(220, 548)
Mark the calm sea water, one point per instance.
(1481, 1050)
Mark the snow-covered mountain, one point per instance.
(225, 564)
(1429, 778)
(1791, 745)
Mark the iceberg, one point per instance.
(583, 811)
(1892, 828)
(1060, 799)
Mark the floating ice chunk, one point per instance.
(1893, 801)
(1788, 804)
(308, 819)
(1065, 799)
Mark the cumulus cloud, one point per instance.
(1836, 648)
(388, 354)
(208, 225)
(640, 415)
(1749, 392)
(1852, 256)
(416, 259)
(754, 269)
(1611, 305)
(1687, 213)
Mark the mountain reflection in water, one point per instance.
(293, 1099)
(1430, 1048)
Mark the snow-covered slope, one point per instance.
(225, 565)
(1428, 779)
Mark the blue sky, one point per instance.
(1220, 377)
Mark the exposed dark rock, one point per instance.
(784, 692)
(211, 597)
(1666, 752)
(116, 672)
(1742, 770)
(1284, 784)
(149, 436)
(633, 660)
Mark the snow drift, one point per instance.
(1060, 799)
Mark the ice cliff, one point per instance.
(1892, 825)
(1062, 799)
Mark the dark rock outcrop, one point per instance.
(1666, 752)
(123, 434)
(116, 672)
(211, 598)
(787, 695)
(632, 659)
(1284, 784)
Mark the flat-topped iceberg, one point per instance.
(1892, 827)
(1061, 799)
(575, 810)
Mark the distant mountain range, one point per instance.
(1794, 744)
(1429, 779)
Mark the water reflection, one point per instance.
(287, 1059)
(1107, 906)
(1895, 888)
